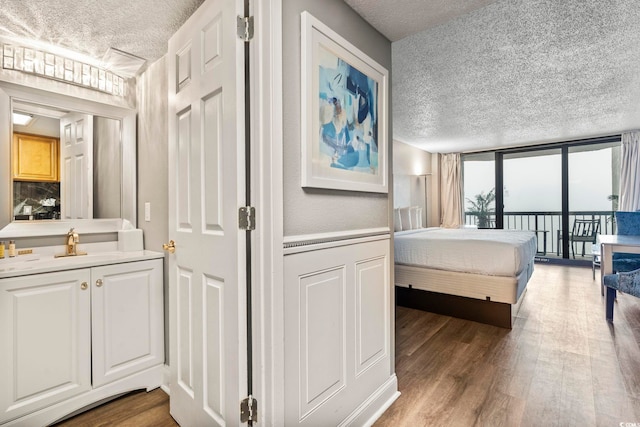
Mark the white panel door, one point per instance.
(76, 166)
(45, 327)
(127, 319)
(206, 170)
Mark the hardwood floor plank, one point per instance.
(137, 409)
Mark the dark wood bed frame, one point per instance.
(483, 311)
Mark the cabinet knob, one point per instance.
(84, 285)
(99, 282)
(170, 247)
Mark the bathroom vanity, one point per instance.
(77, 330)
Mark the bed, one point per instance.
(474, 274)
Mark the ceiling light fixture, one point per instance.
(123, 63)
(22, 119)
(52, 66)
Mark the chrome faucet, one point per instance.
(72, 241)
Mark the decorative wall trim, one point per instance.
(302, 243)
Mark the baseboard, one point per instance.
(374, 406)
(166, 379)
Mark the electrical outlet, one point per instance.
(147, 211)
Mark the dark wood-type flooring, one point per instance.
(562, 364)
(137, 409)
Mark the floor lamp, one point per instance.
(426, 206)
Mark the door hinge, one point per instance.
(247, 218)
(249, 410)
(245, 28)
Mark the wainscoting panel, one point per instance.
(338, 306)
(322, 336)
(371, 317)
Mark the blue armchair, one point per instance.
(627, 282)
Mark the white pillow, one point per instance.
(416, 217)
(397, 221)
(405, 218)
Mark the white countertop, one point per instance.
(43, 260)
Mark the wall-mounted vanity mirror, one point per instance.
(74, 162)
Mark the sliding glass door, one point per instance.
(532, 194)
(594, 175)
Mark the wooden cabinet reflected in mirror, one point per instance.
(36, 182)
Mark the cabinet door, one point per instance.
(46, 343)
(35, 158)
(127, 324)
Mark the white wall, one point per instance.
(410, 165)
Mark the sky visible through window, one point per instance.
(533, 184)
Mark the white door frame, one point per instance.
(267, 189)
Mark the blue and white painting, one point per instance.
(348, 116)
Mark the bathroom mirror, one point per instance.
(111, 164)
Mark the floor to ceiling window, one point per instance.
(532, 194)
(565, 192)
(593, 175)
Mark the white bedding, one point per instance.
(489, 252)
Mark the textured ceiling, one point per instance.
(401, 18)
(518, 72)
(139, 27)
(467, 75)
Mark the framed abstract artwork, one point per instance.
(344, 113)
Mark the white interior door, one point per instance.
(76, 166)
(206, 272)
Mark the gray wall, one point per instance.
(153, 154)
(309, 211)
(107, 168)
(153, 184)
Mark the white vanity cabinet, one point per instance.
(45, 331)
(127, 319)
(74, 337)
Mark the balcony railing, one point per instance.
(548, 227)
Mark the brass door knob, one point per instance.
(170, 247)
(84, 285)
(99, 282)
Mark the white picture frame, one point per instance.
(344, 120)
